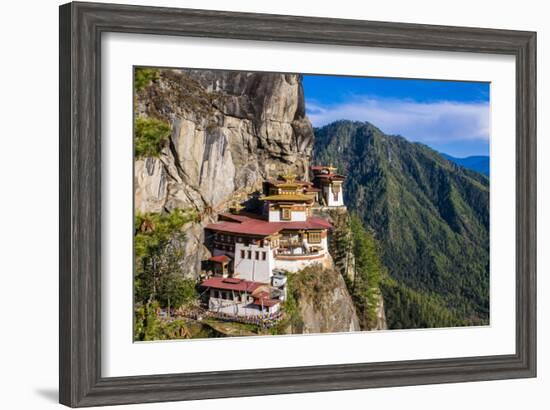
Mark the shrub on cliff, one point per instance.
(158, 254)
(150, 136)
(144, 76)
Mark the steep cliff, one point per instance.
(228, 132)
(323, 303)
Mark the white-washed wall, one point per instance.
(298, 264)
(274, 216)
(296, 216)
(257, 270)
(238, 309)
(328, 194)
(323, 244)
(299, 216)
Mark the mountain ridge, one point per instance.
(430, 216)
(478, 163)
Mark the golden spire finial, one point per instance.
(289, 177)
(236, 207)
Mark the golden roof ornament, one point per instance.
(236, 207)
(289, 177)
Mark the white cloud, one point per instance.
(418, 121)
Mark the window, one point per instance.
(249, 255)
(264, 254)
(286, 214)
(336, 191)
(242, 254)
(257, 255)
(314, 237)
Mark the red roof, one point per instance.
(220, 258)
(231, 284)
(261, 227)
(234, 217)
(265, 302)
(247, 227)
(313, 222)
(261, 293)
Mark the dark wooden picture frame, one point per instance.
(81, 27)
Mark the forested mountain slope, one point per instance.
(430, 216)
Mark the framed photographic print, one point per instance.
(260, 204)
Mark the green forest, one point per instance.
(429, 216)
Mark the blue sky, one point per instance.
(449, 116)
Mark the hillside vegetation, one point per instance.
(430, 216)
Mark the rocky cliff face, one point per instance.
(229, 132)
(323, 301)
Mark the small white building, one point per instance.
(239, 297)
(330, 184)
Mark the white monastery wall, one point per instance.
(296, 216)
(329, 196)
(274, 216)
(294, 265)
(250, 267)
(230, 307)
